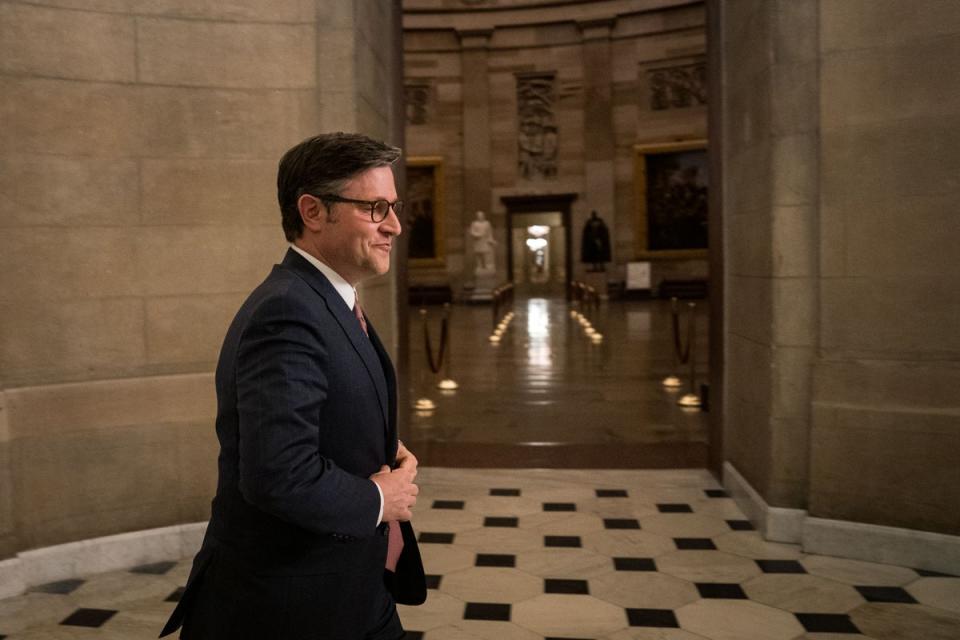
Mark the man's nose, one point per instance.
(391, 224)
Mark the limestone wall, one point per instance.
(770, 197)
(841, 286)
(598, 53)
(885, 439)
(138, 159)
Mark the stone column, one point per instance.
(476, 125)
(357, 63)
(840, 164)
(715, 47)
(598, 144)
(8, 532)
(885, 428)
(795, 191)
(770, 193)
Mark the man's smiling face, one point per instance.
(350, 242)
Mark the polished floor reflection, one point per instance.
(546, 384)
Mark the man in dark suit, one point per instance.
(310, 534)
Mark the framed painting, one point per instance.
(424, 211)
(671, 182)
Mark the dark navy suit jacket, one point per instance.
(306, 413)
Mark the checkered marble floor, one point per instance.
(576, 554)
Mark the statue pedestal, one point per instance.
(597, 280)
(484, 282)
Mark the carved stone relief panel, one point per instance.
(418, 98)
(678, 87)
(537, 126)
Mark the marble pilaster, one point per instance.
(476, 119)
(598, 143)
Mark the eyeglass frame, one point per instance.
(396, 205)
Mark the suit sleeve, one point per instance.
(281, 388)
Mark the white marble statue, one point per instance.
(482, 233)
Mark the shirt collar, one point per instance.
(344, 288)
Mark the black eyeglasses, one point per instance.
(378, 208)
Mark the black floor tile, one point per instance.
(621, 523)
(634, 564)
(885, 594)
(715, 493)
(500, 522)
(559, 506)
(88, 617)
(740, 525)
(926, 573)
(429, 537)
(694, 544)
(827, 623)
(575, 587)
(433, 581)
(495, 560)
(448, 504)
(487, 611)
(652, 618)
(721, 590)
(505, 492)
(413, 635)
(176, 595)
(780, 566)
(562, 541)
(674, 508)
(156, 568)
(611, 493)
(60, 587)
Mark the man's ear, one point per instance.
(312, 212)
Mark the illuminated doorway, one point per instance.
(539, 245)
(539, 252)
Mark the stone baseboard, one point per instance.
(774, 523)
(855, 540)
(110, 553)
(888, 545)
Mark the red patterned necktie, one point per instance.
(394, 536)
(357, 311)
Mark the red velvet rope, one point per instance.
(435, 365)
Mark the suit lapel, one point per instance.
(391, 378)
(347, 321)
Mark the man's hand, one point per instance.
(405, 458)
(399, 492)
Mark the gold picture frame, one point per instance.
(659, 235)
(424, 211)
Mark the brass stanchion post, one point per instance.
(447, 384)
(673, 380)
(596, 336)
(501, 295)
(424, 404)
(691, 399)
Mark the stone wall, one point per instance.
(596, 55)
(769, 140)
(885, 438)
(841, 289)
(137, 163)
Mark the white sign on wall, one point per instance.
(638, 275)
